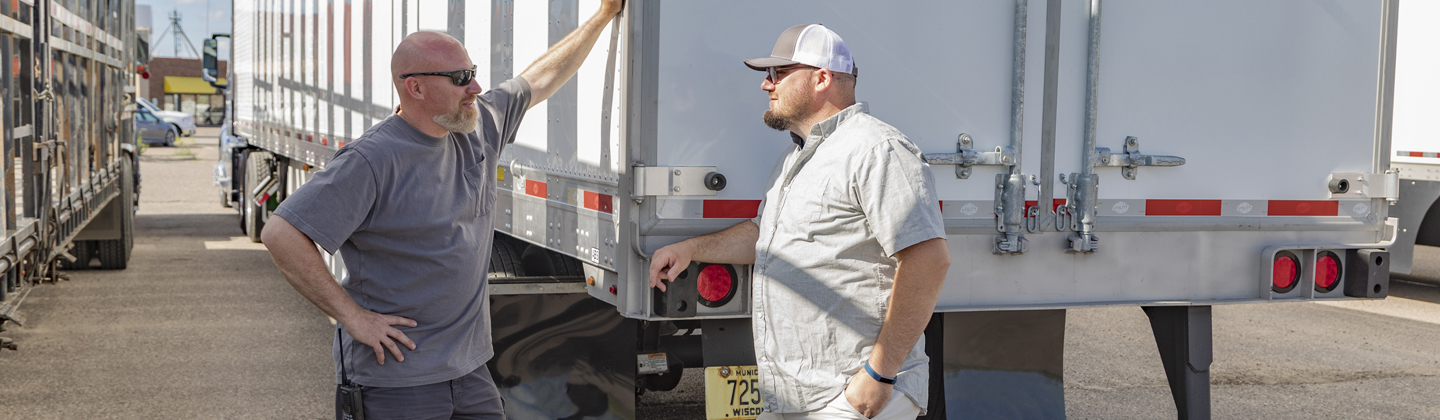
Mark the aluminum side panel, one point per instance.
(933, 73)
(574, 133)
(1417, 89)
(477, 16)
(1262, 99)
(243, 61)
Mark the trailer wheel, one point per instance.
(114, 254)
(256, 168)
(505, 258)
(82, 254)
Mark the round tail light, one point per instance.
(717, 285)
(1286, 272)
(1327, 272)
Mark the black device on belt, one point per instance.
(349, 405)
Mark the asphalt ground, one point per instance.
(201, 325)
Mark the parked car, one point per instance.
(152, 129)
(184, 123)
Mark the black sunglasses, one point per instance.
(458, 77)
(775, 74)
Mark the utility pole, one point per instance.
(180, 38)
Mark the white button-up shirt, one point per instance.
(835, 213)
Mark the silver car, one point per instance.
(184, 123)
(154, 130)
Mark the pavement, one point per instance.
(201, 325)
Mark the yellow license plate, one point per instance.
(732, 392)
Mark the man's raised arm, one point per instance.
(549, 72)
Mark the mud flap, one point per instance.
(561, 356)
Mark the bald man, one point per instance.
(409, 205)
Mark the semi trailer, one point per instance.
(1196, 154)
(1416, 138)
(70, 186)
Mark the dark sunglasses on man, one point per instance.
(774, 74)
(458, 77)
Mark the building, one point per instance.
(142, 36)
(175, 85)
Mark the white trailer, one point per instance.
(1199, 153)
(1416, 135)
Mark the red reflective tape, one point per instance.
(731, 209)
(1053, 204)
(1417, 154)
(340, 144)
(1304, 208)
(535, 188)
(1182, 207)
(599, 202)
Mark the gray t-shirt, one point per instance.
(410, 214)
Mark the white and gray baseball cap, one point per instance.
(812, 45)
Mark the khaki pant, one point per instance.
(900, 407)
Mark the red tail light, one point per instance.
(717, 285)
(1286, 272)
(1327, 271)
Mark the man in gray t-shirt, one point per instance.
(408, 204)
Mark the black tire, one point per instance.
(169, 138)
(82, 254)
(114, 254)
(538, 261)
(505, 258)
(256, 166)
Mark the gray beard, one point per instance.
(461, 121)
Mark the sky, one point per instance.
(198, 18)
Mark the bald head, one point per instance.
(433, 104)
(427, 51)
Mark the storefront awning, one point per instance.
(195, 85)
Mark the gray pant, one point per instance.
(473, 396)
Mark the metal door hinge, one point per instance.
(1010, 215)
(1078, 212)
(1358, 185)
(677, 180)
(1132, 160)
(966, 157)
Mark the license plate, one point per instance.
(732, 392)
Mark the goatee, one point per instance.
(462, 120)
(775, 121)
(783, 117)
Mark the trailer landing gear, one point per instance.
(1183, 335)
